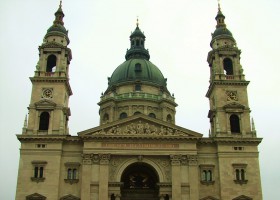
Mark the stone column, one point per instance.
(176, 176)
(193, 177)
(103, 176)
(86, 176)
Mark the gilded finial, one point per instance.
(137, 22)
(219, 5)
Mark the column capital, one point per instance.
(87, 158)
(104, 159)
(175, 159)
(192, 159)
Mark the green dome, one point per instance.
(137, 69)
(57, 28)
(221, 31)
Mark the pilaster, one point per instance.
(193, 177)
(176, 176)
(86, 176)
(103, 175)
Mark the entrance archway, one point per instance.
(140, 182)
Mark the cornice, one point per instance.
(136, 138)
(226, 140)
(51, 138)
(225, 82)
(53, 80)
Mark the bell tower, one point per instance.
(48, 109)
(229, 112)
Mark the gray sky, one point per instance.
(178, 33)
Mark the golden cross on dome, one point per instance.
(137, 22)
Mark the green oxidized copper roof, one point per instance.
(221, 28)
(221, 31)
(58, 28)
(137, 67)
(128, 72)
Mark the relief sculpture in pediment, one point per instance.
(141, 128)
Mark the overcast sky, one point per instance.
(178, 33)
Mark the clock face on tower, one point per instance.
(232, 96)
(47, 93)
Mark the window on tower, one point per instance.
(123, 115)
(206, 174)
(152, 115)
(240, 173)
(228, 67)
(51, 63)
(234, 123)
(72, 172)
(169, 118)
(44, 121)
(38, 171)
(105, 118)
(137, 87)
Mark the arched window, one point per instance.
(138, 67)
(209, 175)
(105, 118)
(152, 115)
(237, 174)
(41, 172)
(51, 63)
(242, 174)
(69, 173)
(74, 174)
(228, 67)
(123, 115)
(44, 121)
(137, 42)
(234, 124)
(36, 172)
(204, 175)
(137, 113)
(169, 118)
(113, 197)
(166, 197)
(137, 87)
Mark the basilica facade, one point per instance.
(137, 152)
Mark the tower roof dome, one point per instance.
(58, 29)
(221, 31)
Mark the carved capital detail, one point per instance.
(192, 159)
(104, 158)
(87, 158)
(175, 159)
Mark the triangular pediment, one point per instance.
(35, 196)
(140, 126)
(234, 105)
(45, 103)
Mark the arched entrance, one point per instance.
(140, 182)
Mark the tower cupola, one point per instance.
(221, 35)
(137, 45)
(58, 29)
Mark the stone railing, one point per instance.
(137, 95)
(50, 74)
